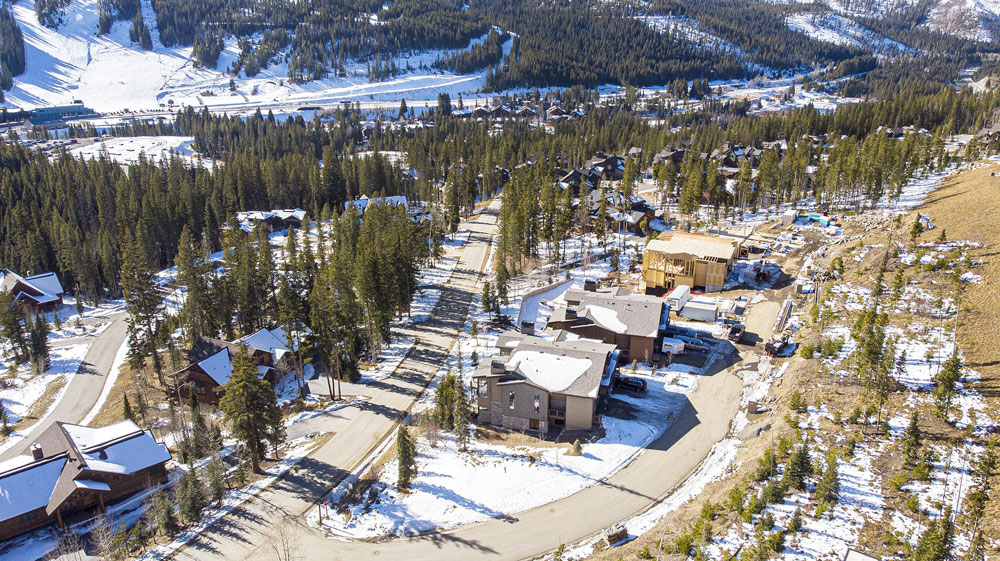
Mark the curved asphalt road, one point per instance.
(85, 387)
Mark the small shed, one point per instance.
(789, 217)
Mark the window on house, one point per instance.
(157, 469)
(28, 516)
(511, 400)
(538, 402)
(484, 388)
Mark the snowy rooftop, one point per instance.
(27, 489)
(219, 366)
(551, 371)
(560, 365)
(362, 203)
(617, 310)
(269, 340)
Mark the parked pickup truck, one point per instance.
(736, 331)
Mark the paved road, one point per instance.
(86, 386)
(243, 533)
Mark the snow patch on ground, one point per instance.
(22, 388)
(455, 488)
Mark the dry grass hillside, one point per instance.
(877, 488)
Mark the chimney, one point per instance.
(36, 452)
(528, 327)
(497, 366)
(590, 286)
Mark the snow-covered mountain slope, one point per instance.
(111, 73)
(838, 29)
(971, 19)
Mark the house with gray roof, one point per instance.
(544, 383)
(634, 323)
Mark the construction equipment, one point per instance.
(776, 344)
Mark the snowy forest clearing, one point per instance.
(154, 149)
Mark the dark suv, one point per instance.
(633, 384)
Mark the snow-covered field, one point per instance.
(127, 150)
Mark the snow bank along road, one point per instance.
(669, 460)
(84, 388)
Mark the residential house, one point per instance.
(40, 293)
(694, 260)
(634, 323)
(525, 112)
(538, 384)
(362, 203)
(271, 220)
(210, 363)
(610, 168)
(72, 469)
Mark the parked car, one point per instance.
(633, 384)
(736, 331)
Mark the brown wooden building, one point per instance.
(73, 468)
(40, 293)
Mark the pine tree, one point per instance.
(13, 326)
(798, 468)
(39, 338)
(216, 485)
(163, 508)
(828, 487)
(127, 408)
(910, 443)
(190, 497)
(917, 229)
(461, 417)
(935, 544)
(250, 408)
(795, 523)
(946, 382)
(406, 451)
(142, 301)
(4, 426)
(199, 428)
(141, 407)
